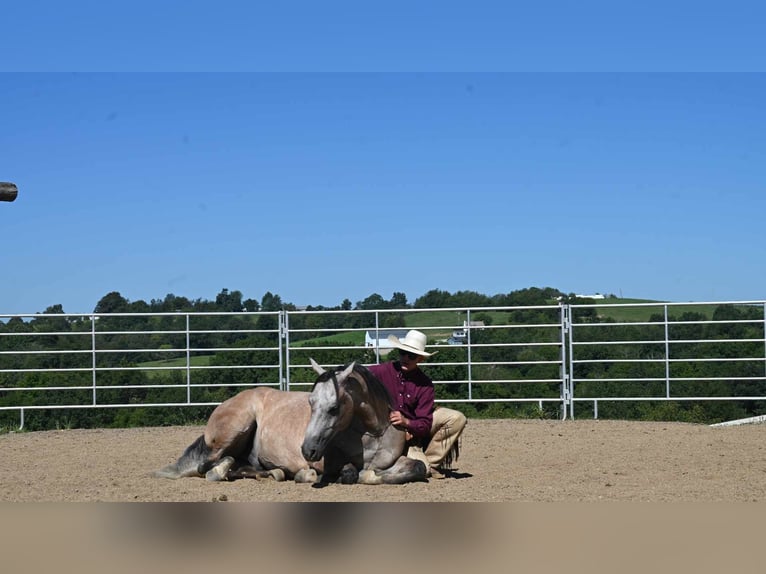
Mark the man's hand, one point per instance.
(398, 420)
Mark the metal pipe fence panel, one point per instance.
(484, 354)
(58, 361)
(122, 360)
(539, 360)
(672, 353)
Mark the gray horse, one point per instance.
(264, 432)
(349, 428)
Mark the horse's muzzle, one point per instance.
(311, 453)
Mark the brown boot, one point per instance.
(437, 473)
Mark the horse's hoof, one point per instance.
(349, 475)
(277, 474)
(220, 471)
(306, 476)
(369, 477)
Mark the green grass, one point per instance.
(607, 309)
(628, 314)
(353, 338)
(197, 361)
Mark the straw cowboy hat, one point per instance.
(414, 342)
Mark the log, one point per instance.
(8, 191)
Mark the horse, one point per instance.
(254, 434)
(349, 430)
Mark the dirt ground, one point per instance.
(501, 460)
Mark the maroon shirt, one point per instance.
(412, 394)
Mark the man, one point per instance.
(432, 432)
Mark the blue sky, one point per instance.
(321, 187)
(346, 35)
(488, 150)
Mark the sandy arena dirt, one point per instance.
(501, 460)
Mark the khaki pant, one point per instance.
(444, 447)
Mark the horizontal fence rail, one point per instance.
(542, 360)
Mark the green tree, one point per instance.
(230, 302)
(373, 302)
(398, 301)
(111, 303)
(435, 298)
(271, 302)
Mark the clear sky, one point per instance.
(397, 35)
(339, 184)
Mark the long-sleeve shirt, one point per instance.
(412, 394)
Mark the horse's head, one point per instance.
(332, 410)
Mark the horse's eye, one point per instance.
(334, 411)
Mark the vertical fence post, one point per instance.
(564, 371)
(188, 361)
(283, 342)
(569, 329)
(93, 355)
(667, 354)
(469, 353)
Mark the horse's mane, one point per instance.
(374, 385)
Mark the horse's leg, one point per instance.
(256, 472)
(337, 469)
(230, 428)
(249, 471)
(404, 470)
(221, 470)
(225, 470)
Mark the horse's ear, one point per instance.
(347, 371)
(316, 367)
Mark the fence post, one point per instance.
(563, 372)
(568, 363)
(93, 355)
(283, 336)
(469, 355)
(188, 360)
(667, 354)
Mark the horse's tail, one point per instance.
(188, 463)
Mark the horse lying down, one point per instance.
(339, 432)
(254, 434)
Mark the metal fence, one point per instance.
(680, 352)
(545, 358)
